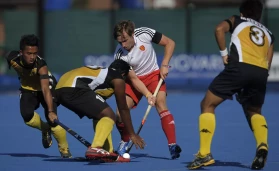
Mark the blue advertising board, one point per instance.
(186, 70)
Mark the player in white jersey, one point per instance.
(135, 47)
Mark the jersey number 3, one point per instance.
(257, 36)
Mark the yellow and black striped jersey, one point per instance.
(28, 75)
(250, 41)
(95, 78)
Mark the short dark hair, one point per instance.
(252, 9)
(121, 66)
(28, 40)
(125, 25)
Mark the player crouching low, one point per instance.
(84, 91)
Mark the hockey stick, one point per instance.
(74, 134)
(146, 113)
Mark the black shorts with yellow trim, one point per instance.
(84, 102)
(247, 81)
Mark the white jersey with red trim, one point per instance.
(142, 56)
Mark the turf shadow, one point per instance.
(223, 164)
(26, 155)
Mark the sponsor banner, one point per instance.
(182, 65)
(185, 69)
(99, 60)
(185, 66)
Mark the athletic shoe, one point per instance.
(95, 153)
(175, 151)
(123, 146)
(260, 158)
(200, 161)
(103, 155)
(65, 152)
(113, 157)
(46, 138)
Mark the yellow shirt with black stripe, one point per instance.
(250, 41)
(28, 75)
(95, 78)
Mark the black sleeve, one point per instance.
(40, 63)
(272, 38)
(230, 23)
(157, 37)
(10, 56)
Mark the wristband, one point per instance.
(168, 66)
(148, 94)
(224, 52)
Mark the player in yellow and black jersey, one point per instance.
(36, 86)
(84, 91)
(245, 74)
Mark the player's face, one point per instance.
(29, 54)
(126, 41)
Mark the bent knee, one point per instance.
(161, 104)
(207, 106)
(251, 110)
(27, 116)
(107, 112)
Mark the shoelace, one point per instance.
(197, 154)
(122, 145)
(99, 150)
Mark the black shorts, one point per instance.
(30, 101)
(84, 102)
(248, 81)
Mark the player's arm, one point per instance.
(220, 31)
(169, 45)
(44, 79)
(140, 87)
(120, 96)
(151, 35)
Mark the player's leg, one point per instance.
(106, 120)
(57, 131)
(260, 130)
(85, 102)
(29, 102)
(207, 124)
(258, 124)
(132, 97)
(221, 88)
(108, 145)
(252, 98)
(167, 119)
